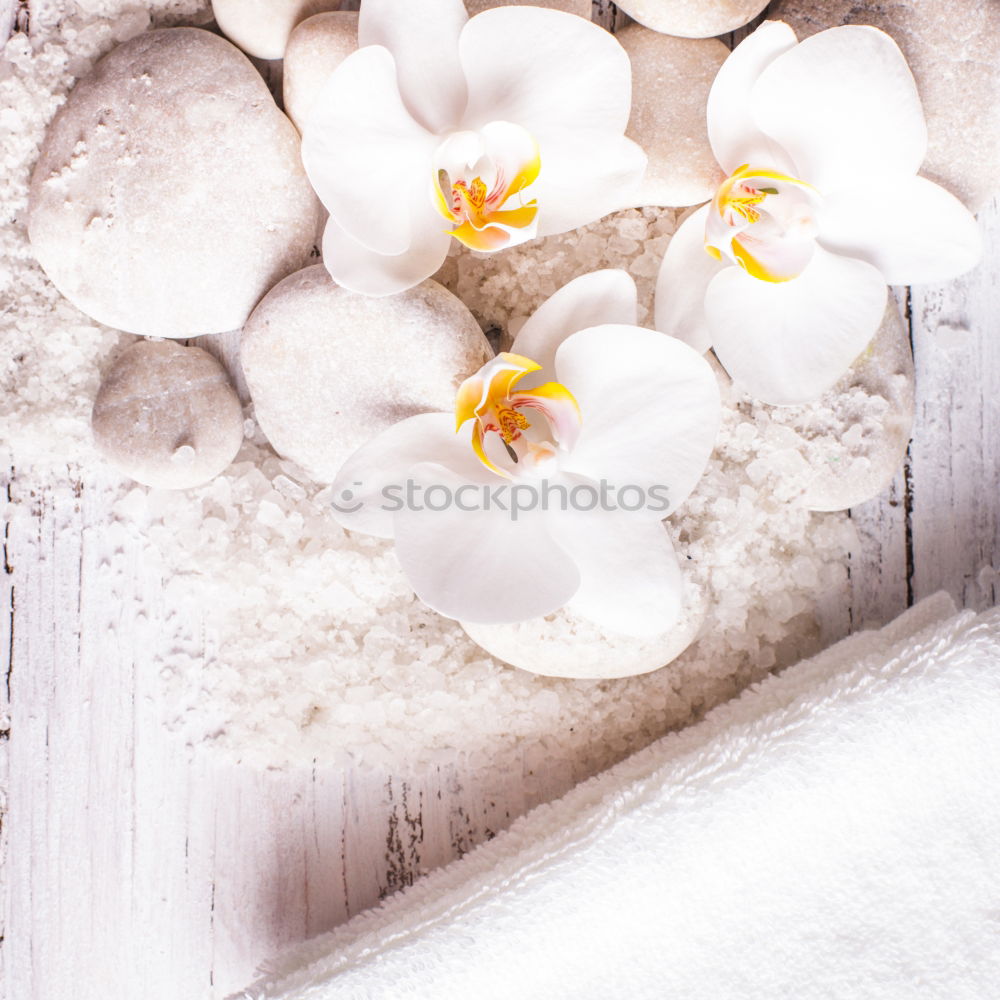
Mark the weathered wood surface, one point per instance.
(133, 871)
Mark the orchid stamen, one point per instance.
(532, 425)
(480, 185)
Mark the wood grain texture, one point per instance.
(955, 454)
(133, 870)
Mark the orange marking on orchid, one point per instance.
(484, 240)
(511, 423)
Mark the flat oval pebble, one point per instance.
(166, 415)
(951, 46)
(329, 369)
(315, 49)
(169, 195)
(858, 432)
(262, 27)
(671, 78)
(567, 645)
(693, 18)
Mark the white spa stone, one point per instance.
(951, 46)
(581, 7)
(328, 369)
(567, 645)
(169, 195)
(857, 433)
(671, 78)
(315, 49)
(262, 27)
(166, 415)
(693, 18)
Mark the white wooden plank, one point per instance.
(955, 479)
(606, 14)
(133, 869)
(8, 15)
(73, 865)
(7, 598)
(879, 565)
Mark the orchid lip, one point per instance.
(481, 186)
(764, 221)
(517, 432)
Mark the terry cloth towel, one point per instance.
(833, 833)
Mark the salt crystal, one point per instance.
(270, 514)
(288, 488)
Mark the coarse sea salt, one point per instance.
(290, 641)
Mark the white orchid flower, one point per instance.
(822, 207)
(491, 130)
(570, 450)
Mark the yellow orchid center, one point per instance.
(480, 186)
(517, 432)
(764, 221)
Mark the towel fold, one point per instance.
(833, 833)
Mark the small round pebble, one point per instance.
(671, 78)
(166, 416)
(315, 49)
(262, 27)
(169, 194)
(951, 46)
(693, 18)
(567, 645)
(329, 369)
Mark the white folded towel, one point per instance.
(833, 833)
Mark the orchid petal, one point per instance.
(844, 105)
(591, 300)
(630, 582)
(423, 39)
(546, 70)
(585, 176)
(479, 565)
(651, 412)
(516, 154)
(362, 152)
(358, 269)
(370, 481)
(912, 230)
(732, 131)
(494, 238)
(559, 407)
(789, 342)
(685, 274)
(494, 381)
